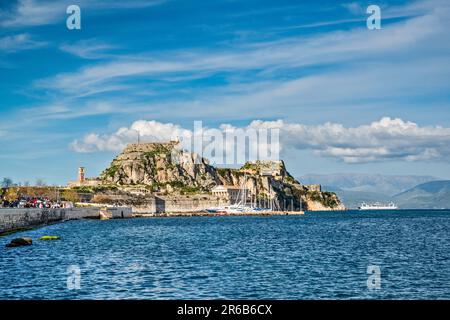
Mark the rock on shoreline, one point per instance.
(19, 242)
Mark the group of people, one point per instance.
(34, 202)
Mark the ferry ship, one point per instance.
(377, 206)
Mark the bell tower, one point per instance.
(81, 176)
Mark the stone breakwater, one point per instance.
(12, 220)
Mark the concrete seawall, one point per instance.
(19, 219)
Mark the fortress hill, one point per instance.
(146, 171)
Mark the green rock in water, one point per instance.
(18, 242)
(48, 238)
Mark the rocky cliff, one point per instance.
(163, 168)
(160, 166)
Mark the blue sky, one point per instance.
(350, 99)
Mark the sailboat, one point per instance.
(241, 206)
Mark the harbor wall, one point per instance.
(160, 205)
(19, 219)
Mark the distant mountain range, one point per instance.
(384, 184)
(430, 195)
(420, 192)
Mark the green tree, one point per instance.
(71, 195)
(7, 182)
(40, 182)
(11, 194)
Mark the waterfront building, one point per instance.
(229, 193)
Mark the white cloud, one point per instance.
(150, 131)
(19, 42)
(383, 140)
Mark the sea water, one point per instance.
(315, 256)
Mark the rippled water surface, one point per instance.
(316, 256)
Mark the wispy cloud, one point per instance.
(87, 49)
(359, 68)
(359, 14)
(24, 13)
(19, 42)
(269, 57)
(32, 13)
(355, 8)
